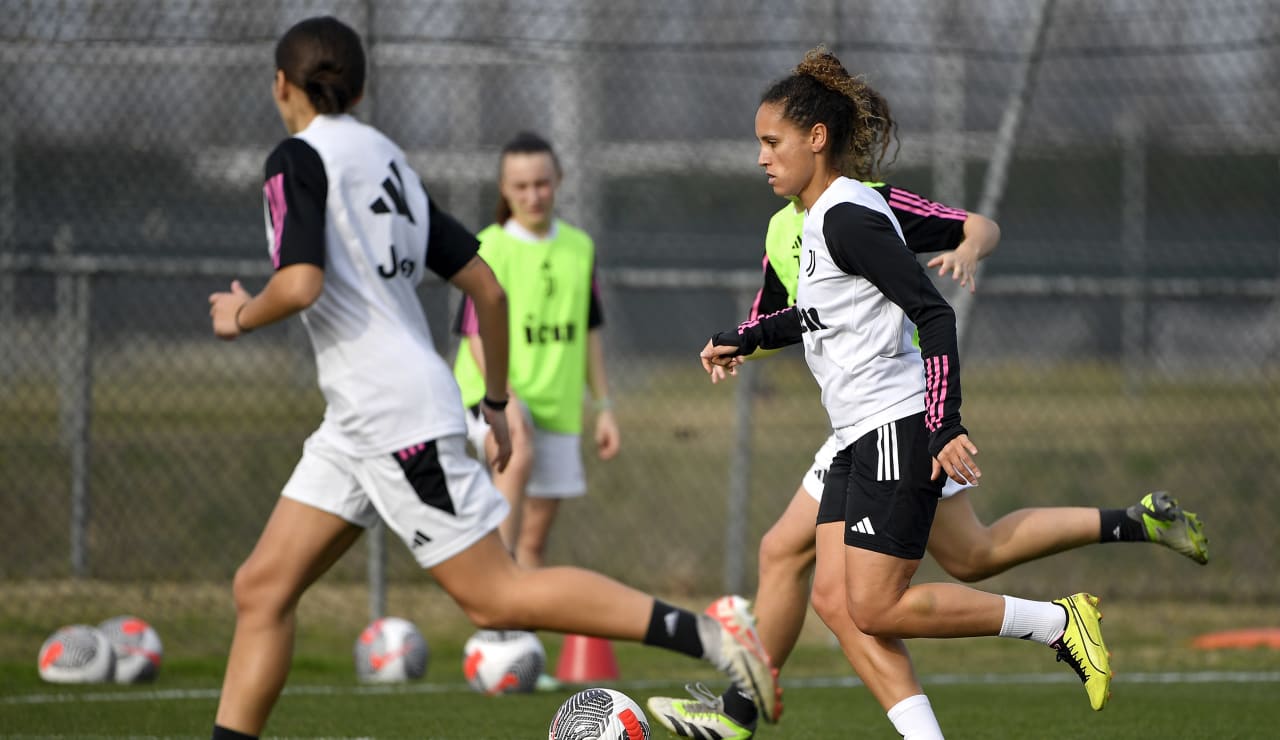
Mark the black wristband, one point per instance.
(495, 405)
(239, 327)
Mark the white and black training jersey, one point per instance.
(927, 226)
(861, 295)
(340, 195)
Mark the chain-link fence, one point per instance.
(1125, 337)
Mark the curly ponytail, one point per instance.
(859, 123)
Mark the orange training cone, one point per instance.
(586, 660)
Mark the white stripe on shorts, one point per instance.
(887, 452)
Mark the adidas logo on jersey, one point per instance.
(420, 539)
(863, 526)
(395, 191)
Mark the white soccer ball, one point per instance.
(391, 650)
(137, 648)
(503, 662)
(599, 714)
(78, 653)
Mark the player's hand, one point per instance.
(608, 439)
(500, 452)
(223, 307)
(961, 263)
(719, 358)
(956, 460)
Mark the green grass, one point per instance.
(1180, 710)
(980, 688)
(182, 482)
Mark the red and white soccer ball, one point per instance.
(599, 714)
(77, 653)
(136, 646)
(391, 650)
(503, 661)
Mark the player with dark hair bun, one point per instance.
(351, 232)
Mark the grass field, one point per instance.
(981, 688)
(182, 482)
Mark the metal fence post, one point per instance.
(377, 535)
(949, 156)
(735, 531)
(75, 380)
(8, 207)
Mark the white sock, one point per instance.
(1042, 621)
(913, 719)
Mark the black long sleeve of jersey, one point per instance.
(877, 253)
(774, 331)
(927, 226)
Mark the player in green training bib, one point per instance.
(547, 268)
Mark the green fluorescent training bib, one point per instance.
(548, 286)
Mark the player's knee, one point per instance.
(488, 619)
(828, 603)
(255, 591)
(530, 554)
(492, 614)
(870, 620)
(496, 603)
(870, 616)
(783, 557)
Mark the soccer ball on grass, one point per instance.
(77, 653)
(599, 714)
(136, 646)
(391, 650)
(503, 661)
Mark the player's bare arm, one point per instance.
(290, 290)
(981, 235)
(607, 436)
(478, 282)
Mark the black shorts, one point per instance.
(879, 487)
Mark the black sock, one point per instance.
(1118, 527)
(222, 733)
(674, 629)
(739, 708)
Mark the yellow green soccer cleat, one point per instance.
(700, 717)
(1167, 523)
(1082, 648)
